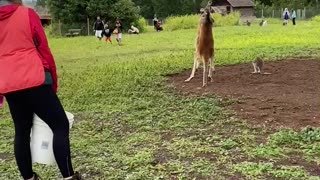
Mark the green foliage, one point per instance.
(253, 169)
(316, 19)
(228, 20)
(289, 172)
(182, 22)
(290, 3)
(266, 151)
(41, 3)
(141, 24)
(78, 11)
(192, 21)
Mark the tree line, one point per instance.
(293, 4)
(131, 10)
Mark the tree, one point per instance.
(165, 8)
(42, 3)
(146, 8)
(290, 3)
(69, 11)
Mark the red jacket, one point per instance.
(38, 35)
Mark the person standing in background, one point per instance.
(294, 16)
(286, 16)
(98, 27)
(119, 31)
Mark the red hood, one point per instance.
(7, 11)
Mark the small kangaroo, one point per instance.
(204, 47)
(258, 64)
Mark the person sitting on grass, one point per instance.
(159, 26)
(133, 30)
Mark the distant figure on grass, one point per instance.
(263, 23)
(118, 31)
(107, 32)
(204, 47)
(133, 30)
(98, 27)
(159, 26)
(248, 23)
(294, 16)
(286, 16)
(155, 22)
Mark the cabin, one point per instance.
(43, 12)
(244, 7)
(44, 15)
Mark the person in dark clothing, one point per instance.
(159, 26)
(155, 22)
(28, 80)
(107, 32)
(98, 28)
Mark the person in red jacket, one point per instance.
(28, 80)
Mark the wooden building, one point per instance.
(44, 15)
(244, 7)
(43, 12)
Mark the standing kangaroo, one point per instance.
(204, 47)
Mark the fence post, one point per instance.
(262, 13)
(304, 13)
(60, 31)
(273, 13)
(88, 24)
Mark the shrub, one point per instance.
(181, 22)
(191, 21)
(141, 24)
(316, 19)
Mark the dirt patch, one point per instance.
(289, 97)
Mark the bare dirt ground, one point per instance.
(289, 97)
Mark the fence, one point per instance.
(269, 12)
(57, 28)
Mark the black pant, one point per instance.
(294, 21)
(45, 103)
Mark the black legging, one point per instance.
(45, 103)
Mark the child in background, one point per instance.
(294, 16)
(118, 31)
(286, 16)
(107, 32)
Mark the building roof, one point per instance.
(241, 3)
(43, 12)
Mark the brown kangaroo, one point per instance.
(204, 47)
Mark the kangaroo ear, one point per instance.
(202, 10)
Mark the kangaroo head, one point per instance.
(205, 16)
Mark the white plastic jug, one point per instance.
(41, 141)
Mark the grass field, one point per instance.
(129, 124)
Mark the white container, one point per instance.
(41, 141)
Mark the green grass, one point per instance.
(130, 125)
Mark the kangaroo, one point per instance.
(258, 64)
(204, 47)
